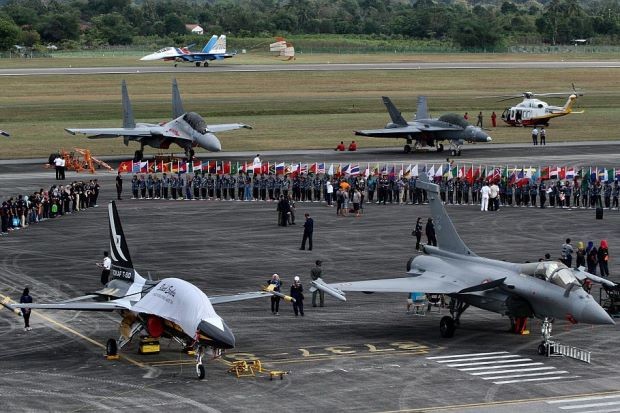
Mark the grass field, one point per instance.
(291, 109)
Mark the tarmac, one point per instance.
(365, 355)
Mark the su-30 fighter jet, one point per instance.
(170, 308)
(426, 131)
(547, 290)
(215, 49)
(186, 129)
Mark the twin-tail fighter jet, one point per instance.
(547, 290)
(426, 131)
(170, 308)
(215, 49)
(4, 133)
(186, 129)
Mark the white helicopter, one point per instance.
(532, 111)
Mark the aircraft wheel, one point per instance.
(440, 147)
(197, 64)
(206, 64)
(453, 152)
(200, 371)
(458, 153)
(407, 148)
(446, 327)
(176, 64)
(111, 348)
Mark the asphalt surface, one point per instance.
(367, 354)
(323, 67)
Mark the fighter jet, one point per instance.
(170, 308)
(4, 133)
(547, 290)
(215, 49)
(186, 129)
(426, 131)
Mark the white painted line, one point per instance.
(511, 371)
(480, 363)
(583, 406)
(465, 355)
(479, 358)
(615, 409)
(535, 379)
(501, 367)
(583, 399)
(511, 376)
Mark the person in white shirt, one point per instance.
(329, 191)
(57, 165)
(484, 192)
(62, 168)
(257, 160)
(494, 196)
(105, 265)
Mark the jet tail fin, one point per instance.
(128, 120)
(122, 266)
(447, 237)
(395, 114)
(210, 44)
(177, 103)
(422, 111)
(220, 46)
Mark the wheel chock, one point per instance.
(112, 357)
(276, 373)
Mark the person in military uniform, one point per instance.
(383, 185)
(248, 188)
(567, 193)
(165, 184)
(173, 187)
(458, 191)
(142, 185)
(542, 191)
(286, 186)
(295, 188)
(157, 185)
(465, 191)
(225, 186)
(450, 186)
(180, 186)
(255, 187)
(533, 193)
(317, 183)
(615, 193)
(240, 187)
(372, 186)
(475, 192)
(525, 194)
(509, 192)
(150, 186)
(196, 185)
(263, 187)
(576, 193)
(232, 186)
(607, 194)
(134, 187)
(271, 186)
(315, 273)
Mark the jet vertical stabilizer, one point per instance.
(422, 111)
(122, 266)
(210, 44)
(128, 121)
(220, 46)
(395, 115)
(177, 103)
(447, 237)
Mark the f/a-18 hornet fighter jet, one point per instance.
(170, 308)
(186, 129)
(547, 290)
(427, 131)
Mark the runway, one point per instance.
(364, 355)
(300, 67)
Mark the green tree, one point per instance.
(9, 33)
(56, 27)
(112, 28)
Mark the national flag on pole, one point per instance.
(197, 166)
(227, 167)
(125, 167)
(553, 173)
(330, 171)
(593, 175)
(384, 170)
(439, 172)
(166, 167)
(280, 168)
(602, 174)
(367, 171)
(355, 170)
(234, 168)
(344, 169)
(407, 172)
(211, 167)
(320, 168)
(294, 169)
(611, 174)
(313, 168)
(544, 173)
(144, 167)
(182, 166)
(264, 169)
(392, 173)
(219, 168)
(469, 176)
(512, 178)
(454, 170)
(431, 172)
(562, 172)
(272, 168)
(414, 170)
(570, 173)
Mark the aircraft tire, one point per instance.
(446, 327)
(200, 371)
(197, 64)
(407, 148)
(440, 147)
(458, 153)
(206, 64)
(111, 348)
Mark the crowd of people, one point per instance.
(22, 211)
(352, 192)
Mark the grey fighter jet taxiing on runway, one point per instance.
(427, 131)
(170, 308)
(186, 129)
(547, 290)
(4, 133)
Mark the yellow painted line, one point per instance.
(499, 403)
(7, 300)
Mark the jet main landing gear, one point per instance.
(455, 148)
(448, 324)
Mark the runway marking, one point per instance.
(502, 367)
(546, 399)
(7, 300)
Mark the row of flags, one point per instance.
(468, 172)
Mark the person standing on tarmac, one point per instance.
(417, 232)
(316, 273)
(567, 253)
(308, 230)
(297, 293)
(105, 265)
(430, 232)
(275, 300)
(26, 299)
(119, 186)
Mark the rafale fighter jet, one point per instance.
(426, 131)
(170, 308)
(547, 290)
(186, 129)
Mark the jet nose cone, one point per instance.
(593, 313)
(217, 337)
(148, 57)
(489, 138)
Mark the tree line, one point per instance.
(476, 25)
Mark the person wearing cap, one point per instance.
(275, 300)
(297, 292)
(316, 272)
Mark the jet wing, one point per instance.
(220, 299)
(227, 126)
(76, 306)
(98, 133)
(389, 132)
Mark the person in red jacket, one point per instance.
(353, 146)
(340, 147)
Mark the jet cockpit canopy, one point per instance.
(196, 122)
(555, 272)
